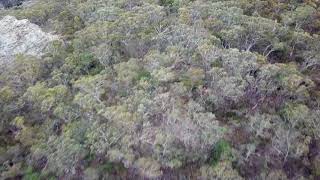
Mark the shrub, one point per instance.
(221, 151)
(30, 174)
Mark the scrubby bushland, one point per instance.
(11, 3)
(165, 89)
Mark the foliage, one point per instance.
(165, 89)
(221, 150)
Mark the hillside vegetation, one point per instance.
(165, 89)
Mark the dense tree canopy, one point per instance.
(165, 89)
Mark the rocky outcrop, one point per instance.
(21, 37)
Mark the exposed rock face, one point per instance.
(21, 37)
